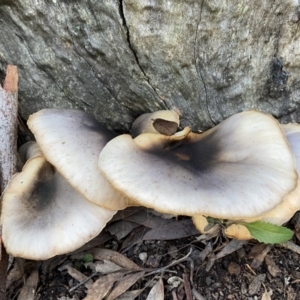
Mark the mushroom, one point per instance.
(71, 141)
(291, 202)
(43, 216)
(242, 168)
(163, 121)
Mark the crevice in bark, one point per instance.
(80, 56)
(198, 70)
(124, 23)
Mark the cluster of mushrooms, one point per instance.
(77, 175)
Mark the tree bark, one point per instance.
(118, 59)
(8, 150)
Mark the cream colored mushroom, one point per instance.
(291, 202)
(43, 216)
(163, 121)
(239, 169)
(71, 141)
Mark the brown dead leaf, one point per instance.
(258, 253)
(255, 284)
(121, 228)
(129, 295)
(148, 219)
(157, 291)
(28, 290)
(134, 237)
(14, 274)
(103, 266)
(172, 231)
(115, 257)
(272, 267)
(124, 284)
(77, 275)
(206, 251)
(125, 213)
(231, 247)
(102, 286)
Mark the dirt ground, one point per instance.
(137, 249)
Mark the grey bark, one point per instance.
(118, 59)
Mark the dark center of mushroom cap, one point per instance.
(188, 154)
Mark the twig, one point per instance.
(82, 282)
(187, 287)
(170, 265)
(291, 246)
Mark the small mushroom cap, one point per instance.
(201, 223)
(238, 232)
(163, 121)
(71, 141)
(43, 216)
(241, 168)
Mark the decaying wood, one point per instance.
(8, 149)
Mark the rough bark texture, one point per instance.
(8, 150)
(118, 59)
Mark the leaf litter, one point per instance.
(110, 266)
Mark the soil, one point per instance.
(208, 272)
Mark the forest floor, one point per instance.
(141, 255)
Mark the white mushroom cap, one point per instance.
(163, 121)
(71, 141)
(43, 216)
(241, 168)
(291, 202)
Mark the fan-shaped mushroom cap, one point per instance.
(43, 216)
(291, 202)
(163, 121)
(71, 141)
(241, 168)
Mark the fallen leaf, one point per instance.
(130, 295)
(148, 219)
(123, 214)
(115, 257)
(104, 266)
(258, 253)
(272, 267)
(121, 228)
(77, 275)
(255, 284)
(231, 247)
(28, 290)
(206, 251)
(157, 291)
(135, 237)
(124, 284)
(172, 231)
(102, 286)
